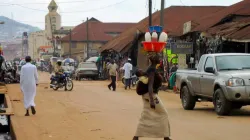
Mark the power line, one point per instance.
(63, 2)
(97, 8)
(44, 22)
(155, 5)
(30, 8)
(184, 4)
(71, 11)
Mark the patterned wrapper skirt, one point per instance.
(154, 123)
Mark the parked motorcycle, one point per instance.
(65, 82)
(10, 74)
(8, 78)
(134, 80)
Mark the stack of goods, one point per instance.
(155, 39)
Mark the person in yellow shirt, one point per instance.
(59, 72)
(113, 69)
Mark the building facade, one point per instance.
(46, 43)
(52, 19)
(92, 33)
(36, 39)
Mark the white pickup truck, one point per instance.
(223, 79)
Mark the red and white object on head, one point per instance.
(163, 37)
(148, 37)
(154, 37)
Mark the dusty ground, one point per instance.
(92, 112)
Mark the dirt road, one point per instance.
(92, 112)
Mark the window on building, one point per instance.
(73, 44)
(53, 27)
(53, 19)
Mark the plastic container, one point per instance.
(154, 46)
(148, 37)
(154, 37)
(158, 29)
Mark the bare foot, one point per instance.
(33, 110)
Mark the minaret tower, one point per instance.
(52, 19)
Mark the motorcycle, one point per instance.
(10, 74)
(134, 80)
(65, 82)
(8, 78)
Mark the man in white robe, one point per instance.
(28, 82)
(128, 67)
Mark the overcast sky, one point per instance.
(76, 11)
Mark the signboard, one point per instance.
(169, 42)
(182, 48)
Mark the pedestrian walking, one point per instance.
(113, 68)
(28, 82)
(154, 121)
(127, 73)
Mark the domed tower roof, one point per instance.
(52, 6)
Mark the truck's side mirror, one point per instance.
(209, 69)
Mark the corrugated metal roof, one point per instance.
(235, 30)
(241, 8)
(174, 17)
(98, 31)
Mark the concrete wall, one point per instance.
(142, 59)
(182, 61)
(35, 40)
(49, 22)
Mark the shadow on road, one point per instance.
(237, 112)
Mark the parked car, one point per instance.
(223, 79)
(92, 59)
(87, 70)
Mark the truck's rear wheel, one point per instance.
(222, 105)
(188, 101)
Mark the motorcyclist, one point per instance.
(59, 71)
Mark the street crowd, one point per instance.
(154, 122)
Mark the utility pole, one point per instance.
(52, 37)
(150, 12)
(162, 12)
(165, 56)
(87, 36)
(70, 42)
(34, 48)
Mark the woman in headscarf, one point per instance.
(154, 121)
